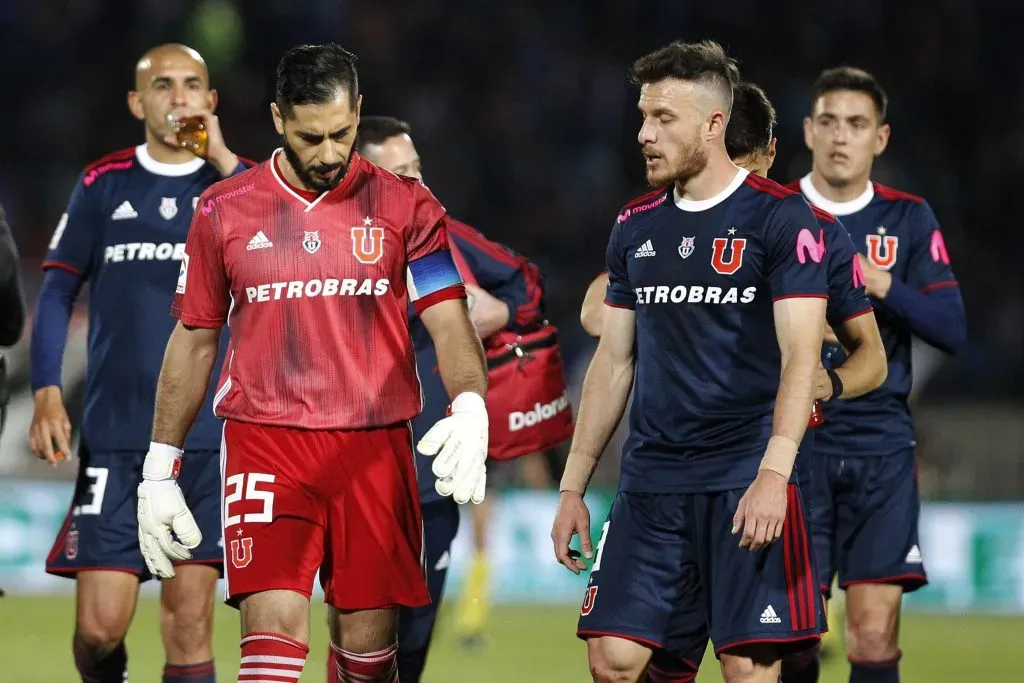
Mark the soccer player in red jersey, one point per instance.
(312, 258)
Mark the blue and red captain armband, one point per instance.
(434, 278)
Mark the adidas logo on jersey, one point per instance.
(914, 556)
(646, 249)
(124, 211)
(541, 412)
(769, 616)
(259, 241)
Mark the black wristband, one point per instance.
(837, 384)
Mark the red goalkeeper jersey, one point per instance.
(315, 294)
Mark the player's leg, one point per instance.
(98, 545)
(815, 488)
(416, 624)
(373, 558)
(274, 520)
(880, 560)
(764, 605)
(640, 577)
(187, 600)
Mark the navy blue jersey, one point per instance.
(899, 233)
(702, 278)
(506, 276)
(124, 232)
(847, 297)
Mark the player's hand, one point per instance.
(488, 313)
(876, 281)
(162, 509)
(761, 511)
(217, 152)
(459, 444)
(571, 518)
(50, 425)
(822, 384)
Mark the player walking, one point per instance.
(705, 274)
(312, 258)
(506, 296)
(124, 233)
(866, 446)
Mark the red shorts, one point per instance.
(343, 502)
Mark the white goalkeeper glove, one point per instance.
(459, 444)
(162, 509)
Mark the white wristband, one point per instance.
(469, 402)
(162, 462)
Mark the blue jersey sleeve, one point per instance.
(620, 293)
(929, 266)
(504, 274)
(847, 297)
(929, 301)
(795, 246)
(73, 245)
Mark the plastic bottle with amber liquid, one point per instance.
(191, 133)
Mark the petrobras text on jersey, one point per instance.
(144, 251)
(297, 289)
(541, 412)
(694, 294)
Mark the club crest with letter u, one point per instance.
(311, 241)
(686, 247)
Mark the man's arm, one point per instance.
(592, 313)
(865, 367)
(460, 357)
(514, 283)
(936, 315)
(606, 390)
(184, 379)
(799, 322)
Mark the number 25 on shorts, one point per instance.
(246, 487)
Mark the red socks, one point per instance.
(370, 667)
(271, 657)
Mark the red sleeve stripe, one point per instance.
(768, 186)
(822, 214)
(483, 244)
(615, 305)
(63, 266)
(529, 312)
(858, 314)
(647, 197)
(446, 294)
(894, 195)
(939, 285)
(801, 296)
(119, 155)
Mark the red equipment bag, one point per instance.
(527, 401)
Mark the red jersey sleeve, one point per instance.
(432, 275)
(202, 297)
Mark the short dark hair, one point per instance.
(314, 74)
(375, 130)
(852, 78)
(751, 123)
(705, 62)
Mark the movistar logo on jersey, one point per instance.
(144, 251)
(694, 294)
(298, 289)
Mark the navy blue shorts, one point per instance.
(416, 624)
(673, 576)
(864, 524)
(101, 528)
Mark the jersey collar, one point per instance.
(836, 208)
(354, 167)
(695, 205)
(167, 170)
